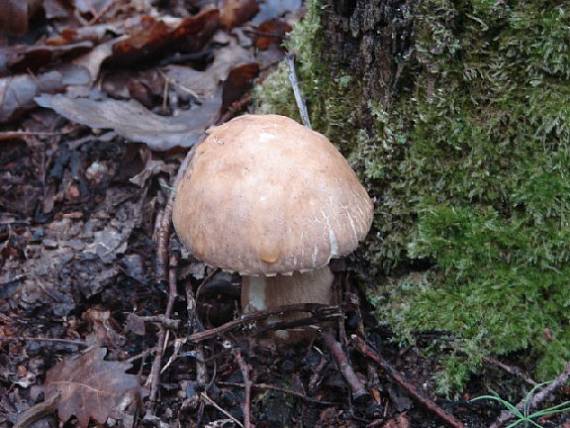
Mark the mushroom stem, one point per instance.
(261, 293)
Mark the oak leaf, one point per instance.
(90, 387)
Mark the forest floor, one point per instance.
(103, 316)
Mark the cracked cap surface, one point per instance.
(264, 195)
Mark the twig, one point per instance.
(194, 325)
(9, 135)
(163, 232)
(45, 339)
(177, 345)
(163, 238)
(162, 320)
(154, 376)
(297, 91)
(179, 85)
(225, 412)
(515, 371)
(143, 354)
(370, 353)
(266, 386)
(316, 377)
(538, 399)
(244, 368)
(309, 323)
(37, 412)
(372, 375)
(102, 12)
(318, 310)
(344, 365)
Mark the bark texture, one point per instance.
(370, 40)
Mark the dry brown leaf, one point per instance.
(22, 58)
(90, 387)
(105, 329)
(13, 16)
(239, 81)
(204, 84)
(271, 33)
(136, 123)
(236, 12)
(400, 421)
(154, 37)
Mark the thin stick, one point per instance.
(8, 135)
(162, 320)
(244, 368)
(154, 376)
(515, 371)
(225, 412)
(269, 387)
(45, 339)
(297, 91)
(319, 310)
(538, 399)
(143, 354)
(194, 325)
(428, 404)
(103, 11)
(335, 348)
(163, 233)
(37, 412)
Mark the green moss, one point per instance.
(470, 166)
(330, 100)
(486, 175)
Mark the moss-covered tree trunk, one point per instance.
(455, 114)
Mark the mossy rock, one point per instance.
(470, 167)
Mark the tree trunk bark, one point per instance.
(371, 40)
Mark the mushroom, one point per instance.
(274, 201)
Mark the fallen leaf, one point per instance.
(400, 421)
(236, 12)
(13, 16)
(135, 324)
(93, 60)
(239, 81)
(203, 84)
(55, 9)
(90, 387)
(136, 123)
(146, 86)
(105, 329)
(151, 168)
(91, 6)
(154, 37)
(187, 81)
(22, 58)
(93, 33)
(271, 9)
(17, 93)
(271, 33)
(229, 57)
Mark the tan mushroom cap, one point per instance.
(264, 195)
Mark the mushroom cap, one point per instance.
(264, 195)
